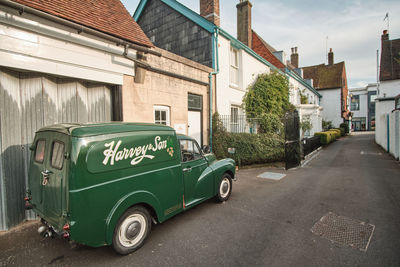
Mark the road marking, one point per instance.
(370, 153)
(271, 175)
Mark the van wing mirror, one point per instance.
(32, 147)
(206, 149)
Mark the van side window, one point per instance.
(39, 152)
(189, 150)
(57, 155)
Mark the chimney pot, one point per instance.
(244, 33)
(330, 57)
(385, 35)
(294, 58)
(209, 9)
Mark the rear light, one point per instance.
(66, 235)
(66, 227)
(27, 198)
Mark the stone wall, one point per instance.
(160, 89)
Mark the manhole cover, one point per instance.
(271, 175)
(345, 231)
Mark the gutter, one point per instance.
(215, 62)
(80, 28)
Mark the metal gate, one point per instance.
(292, 140)
(29, 101)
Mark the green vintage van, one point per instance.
(105, 184)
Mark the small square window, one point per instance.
(57, 155)
(39, 152)
(161, 115)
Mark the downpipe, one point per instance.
(210, 77)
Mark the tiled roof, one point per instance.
(263, 49)
(390, 60)
(325, 76)
(107, 16)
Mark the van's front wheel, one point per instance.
(225, 188)
(132, 230)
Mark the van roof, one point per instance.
(91, 129)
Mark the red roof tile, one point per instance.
(107, 16)
(260, 47)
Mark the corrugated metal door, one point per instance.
(29, 101)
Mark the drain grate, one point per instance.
(345, 231)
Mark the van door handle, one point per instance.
(45, 175)
(187, 169)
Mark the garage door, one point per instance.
(29, 101)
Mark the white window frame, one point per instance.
(234, 118)
(234, 68)
(165, 109)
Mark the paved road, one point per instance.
(265, 222)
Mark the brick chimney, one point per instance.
(209, 9)
(385, 36)
(294, 58)
(244, 33)
(330, 57)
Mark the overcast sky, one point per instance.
(353, 28)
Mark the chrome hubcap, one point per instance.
(224, 187)
(132, 230)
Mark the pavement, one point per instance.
(265, 222)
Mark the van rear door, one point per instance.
(47, 175)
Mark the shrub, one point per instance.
(345, 126)
(250, 148)
(336, 132)
(326, 125)
(342, 131)
(325, 137)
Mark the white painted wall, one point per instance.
(382, 109)
(30, 43)
(313, 113)
(331, 103)
(250, 68)
(389, 88)
(363, 104)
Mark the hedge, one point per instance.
(250, 148)
(336, 132)
(325, 137)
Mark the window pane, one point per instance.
(163, 115)
(186, 150)
(196, 151)
(195, 101)
(39, 152)
(157, 115)
(57, 155)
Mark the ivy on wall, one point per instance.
(268, 100)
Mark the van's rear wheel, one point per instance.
(132, 230)
(225, 188)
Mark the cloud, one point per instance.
(353, 28)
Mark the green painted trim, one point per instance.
(139, 9)
(185, 11)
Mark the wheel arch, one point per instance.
(143, 198)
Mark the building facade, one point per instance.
(235, 63)
(387, 133)
(331, 82)
(59, 65)
(362, 107)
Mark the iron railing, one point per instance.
(311, 144)
(239, 124)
